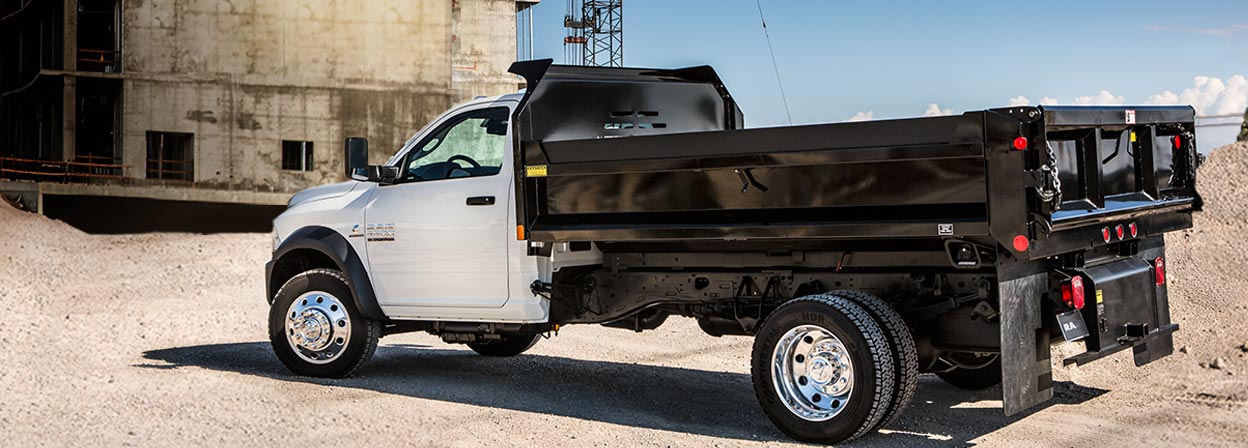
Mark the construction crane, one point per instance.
(595, 33)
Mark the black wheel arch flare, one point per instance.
(334, 246)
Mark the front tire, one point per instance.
(315, 328)
(510, 345)
(823, 369)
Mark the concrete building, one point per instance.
(196, 99)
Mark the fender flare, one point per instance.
(333, 245)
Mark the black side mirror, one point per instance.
(356, 153)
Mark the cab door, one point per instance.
(438, 236)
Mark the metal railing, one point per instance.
(171, 169)
(61, 171)
(100, 60)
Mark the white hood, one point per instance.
(322, 192)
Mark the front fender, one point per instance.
(334, 246)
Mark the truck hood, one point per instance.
(322, 192)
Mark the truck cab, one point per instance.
(435, 233)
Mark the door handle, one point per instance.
(481, 200)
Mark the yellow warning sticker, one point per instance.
(1132, 136)
(535, 171)
(1100, 297)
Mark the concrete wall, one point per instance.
(243, 75)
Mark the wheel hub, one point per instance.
(318, 327)
(812, 372)
(312, 328)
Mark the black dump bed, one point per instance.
(653, 155)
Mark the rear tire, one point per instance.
(509, 345)
(315, 328)
(803, 351)
(905, 356)
(974, 379)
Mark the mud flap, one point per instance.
(1026, 373)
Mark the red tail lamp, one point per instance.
(1020, 143)
(1118, 230)
(1105, 234)
(1178, 142)
(1072, 292)
(1021, 243)
(1135, 231)
(1159, 267)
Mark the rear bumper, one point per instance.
(1158, 344)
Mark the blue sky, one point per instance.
(840, 59)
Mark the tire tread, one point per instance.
(904, 351)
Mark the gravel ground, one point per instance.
(159, 340)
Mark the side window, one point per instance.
(468, 145)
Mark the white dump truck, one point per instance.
(858, 255)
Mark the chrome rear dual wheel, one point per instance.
(832, 367)
(812, 372)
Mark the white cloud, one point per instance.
(934, 110)
(1048, 101)
(1019, 101)
(862, 116)
(1209, 95)
(1101, 99)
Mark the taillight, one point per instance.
(1135, 231)
(1118, 230)
(1072, 292)
(1159, 268)
(1105, 234)
(1178, 142)
(1020, 143)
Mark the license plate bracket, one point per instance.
(1072, 325)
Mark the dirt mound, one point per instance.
(31, 244)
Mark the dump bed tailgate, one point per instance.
(1112, 174)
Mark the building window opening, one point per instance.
(296, 155)
(170, 155)
(99, 48)
(98, 104)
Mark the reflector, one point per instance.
(1020, 143)
(1021, 243)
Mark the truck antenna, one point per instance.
(775, 67)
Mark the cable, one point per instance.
(774, 66)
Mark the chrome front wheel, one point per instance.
(812, 373)
(318, 327)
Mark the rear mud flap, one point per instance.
(1026, 373)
